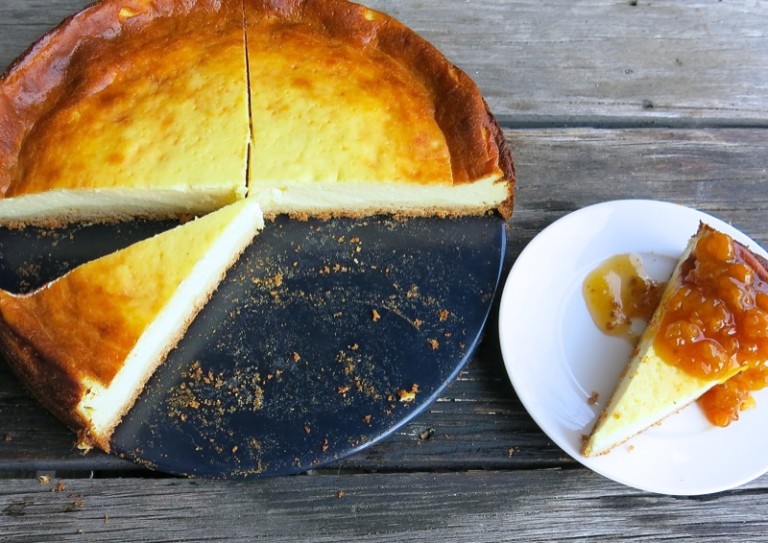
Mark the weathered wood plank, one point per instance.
(601, 61)
(479, 422)
(535, 506)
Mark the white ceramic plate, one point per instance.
(556, 357)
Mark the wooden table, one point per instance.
(600, 100)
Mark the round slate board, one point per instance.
(324, 338)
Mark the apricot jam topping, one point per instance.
(716, 324)
(619, 291)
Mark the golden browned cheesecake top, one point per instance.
(351, 114)
(153, 96)
(472, 135)
(88, 320)
(130, 95)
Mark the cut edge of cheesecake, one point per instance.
(358, 200)
(650, 389)
(59, 207)
(88, 407)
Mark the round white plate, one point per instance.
(557, 358)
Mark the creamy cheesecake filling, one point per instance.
(349, 198)
(118, 203)
(104, 406)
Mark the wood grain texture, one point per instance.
(491, 507)
(601, 100)
(599, 62)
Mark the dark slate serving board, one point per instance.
(324, 338)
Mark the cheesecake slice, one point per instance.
(354, 114)
(127, 109)
(86, 343)
(711, 324)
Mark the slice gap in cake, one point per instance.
(86, 344)
(711, 324)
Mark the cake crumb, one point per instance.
(426, 434)
(296, 357)
(407, 396)
(375, 315)
(339, 493)
(76, 504)
(443, 315)
(593, 398)
(434, 344)
(44, 479)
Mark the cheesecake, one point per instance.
(221, 109)
(127, 109)
(319, 107)
(354, 114)
(86, 343)
(711, 324)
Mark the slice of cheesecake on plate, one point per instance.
(127, 109)
(86, 343)
(354, 114)
(711, 324)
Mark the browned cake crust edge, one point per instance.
(46, 380)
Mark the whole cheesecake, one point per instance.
(169, 107)
(710, 326)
